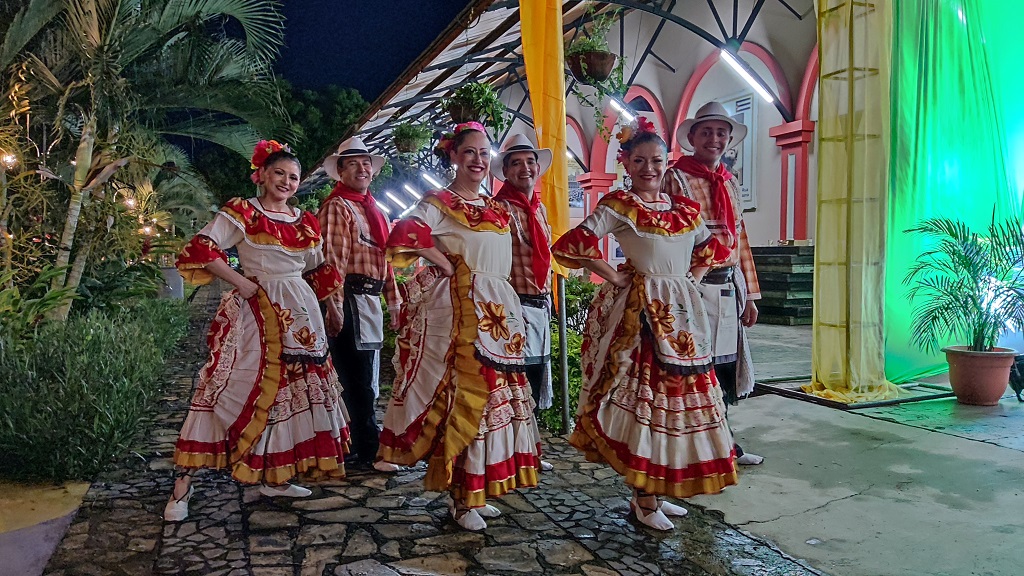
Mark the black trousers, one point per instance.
(355, 371)
(726, 374)
(535, 374)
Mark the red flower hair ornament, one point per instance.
(447, 141)
(627, 133)
(263, 149)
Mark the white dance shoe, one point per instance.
(177, 509)
(471, 519)
(749, 459)
(382, 466)
(488, 511)
(670, 509)
(652, 518)
(286, 490)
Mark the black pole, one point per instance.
(563, 354)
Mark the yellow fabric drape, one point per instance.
(853, 159)
(541, 22)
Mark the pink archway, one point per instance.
(574, 124)
(766, 57)
(794, 139)
(807, 87)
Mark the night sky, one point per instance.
(361, 44)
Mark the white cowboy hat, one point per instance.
(710, 111)
(519, 143)
(351, 147)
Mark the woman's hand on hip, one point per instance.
(620, 279)
(247, 288)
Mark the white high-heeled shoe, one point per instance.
(286, 490)
(177, 509)
(655, 518)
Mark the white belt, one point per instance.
(648, 275)
(278, 276)
(504, 277)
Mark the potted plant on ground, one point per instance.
(410, 138)
(476, 101)
(968, 286)
(588, 56)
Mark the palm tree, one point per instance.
(89, 73)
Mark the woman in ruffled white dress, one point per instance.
(460, 399)
(650, 404)
(268, 405)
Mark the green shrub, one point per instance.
(165, 320)
(114, 283)
(552, 417)
(579, 292)
(74, 392)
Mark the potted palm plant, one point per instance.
(477, 101)
(410, 138)
(968, 287)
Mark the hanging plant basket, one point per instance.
(591, 67)
(477, 102)
(410, 138)
(462, 112)
(407, 146)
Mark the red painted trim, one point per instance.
(600, 181)
(794, 138)
(599, 153)
(578, 129)
(792, 132)
(761, 53)
(807, 86)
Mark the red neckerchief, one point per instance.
(541, 251)
(721, 200)
(374, 217)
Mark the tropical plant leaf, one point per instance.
(966, 285)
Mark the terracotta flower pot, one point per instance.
(463, 113)
(598, 66)
(979, 378)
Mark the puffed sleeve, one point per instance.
(707, 250)
(321, 276)
(582, 242)
(205, 247)
(413, 233)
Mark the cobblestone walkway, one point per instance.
(371, 524)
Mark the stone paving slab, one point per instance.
(576, 522)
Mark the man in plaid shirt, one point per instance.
(355, 235)
(520, 165)
(730, 288)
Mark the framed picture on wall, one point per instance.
(740, 160)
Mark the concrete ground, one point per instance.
(931, 487)
(33, 519)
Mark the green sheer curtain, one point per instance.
(957, 139)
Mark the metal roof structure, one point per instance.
(484, 44)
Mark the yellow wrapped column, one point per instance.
(541, 22)
(853, 122)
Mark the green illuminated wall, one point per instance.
(957, 138)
